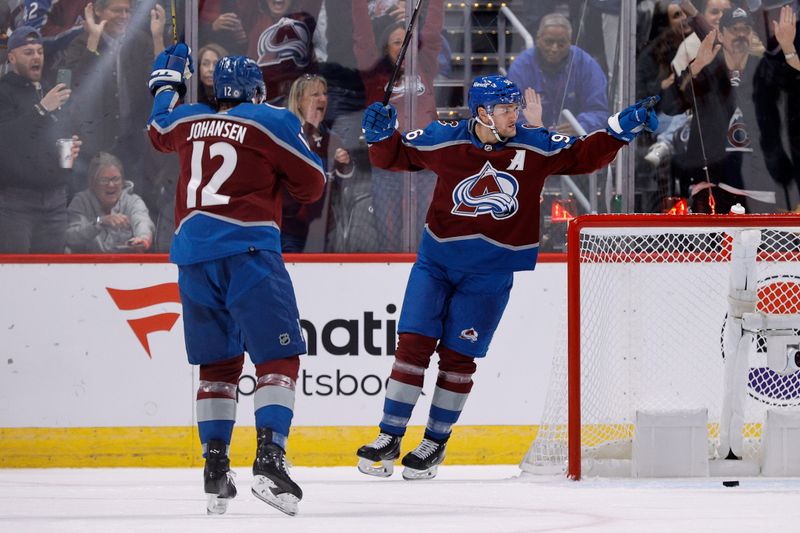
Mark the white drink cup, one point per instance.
(64, 152)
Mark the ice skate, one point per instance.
(271, 481)
(423, 461)
(384, 450)
(218, 478)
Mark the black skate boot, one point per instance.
(423, 461)
(271, 481)
(218, 478)
(384, 450)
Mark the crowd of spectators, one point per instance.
(73, 105)
(724, 70)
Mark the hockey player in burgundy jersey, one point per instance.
(235, 290)
(481, 227)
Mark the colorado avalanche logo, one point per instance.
(288, 39)
(400, 89)
(469, 335)
(489, 191)
(738, 137)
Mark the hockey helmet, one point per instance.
(488, 91)
(238, 79)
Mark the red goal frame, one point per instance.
(574, 295)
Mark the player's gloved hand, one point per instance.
(631, 121)
(379, 122)
(172, 68)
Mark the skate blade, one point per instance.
(386, 468)
(216, 505)
(411, 474)
(285, 502)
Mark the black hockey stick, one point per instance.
(402, 54)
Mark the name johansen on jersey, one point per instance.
(217, 128)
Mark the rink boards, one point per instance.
(94, 369)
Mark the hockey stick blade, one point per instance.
(398, 63)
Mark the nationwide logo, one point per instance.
(133, 299)
(778, 295)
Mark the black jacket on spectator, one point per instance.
(110, 100)
(726, 137)
(28, 153)
(776, 116)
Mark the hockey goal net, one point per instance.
(648, 300)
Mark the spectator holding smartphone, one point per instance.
(108, 217)
(33, 192)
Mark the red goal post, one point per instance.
(672, 273)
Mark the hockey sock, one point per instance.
(405, 382)
(216, 400)
(452, 389)
(274, 398)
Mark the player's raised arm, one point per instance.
(171, 68)
(586, 154)
(386, 147)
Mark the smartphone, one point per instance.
(64, 76)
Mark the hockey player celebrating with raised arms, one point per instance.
(236, 293)
(481, 227)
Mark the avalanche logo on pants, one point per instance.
(490, 191)
(469, 335)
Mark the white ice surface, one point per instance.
(461, 499)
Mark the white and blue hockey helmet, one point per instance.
(488, 91)
(238, 79)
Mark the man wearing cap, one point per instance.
(33, 195)
(718, 86)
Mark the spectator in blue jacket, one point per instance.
(564, 76)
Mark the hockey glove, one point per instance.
(631, 121)
(379, 122)
(172, 68)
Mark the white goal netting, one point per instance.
(653, 306)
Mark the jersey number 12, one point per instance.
(208, 194)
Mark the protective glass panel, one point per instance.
(726, 133)
(567, 53)
(76, 75)
(733, 118)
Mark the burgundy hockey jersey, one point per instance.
(484, 216)
(234, 165)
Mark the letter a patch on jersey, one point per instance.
(488, 192)
(518, 163)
